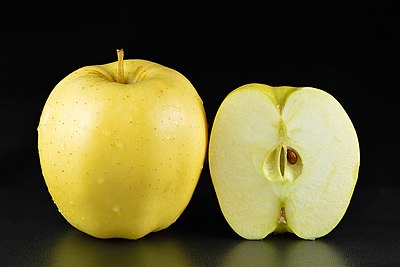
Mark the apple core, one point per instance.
(282, 165)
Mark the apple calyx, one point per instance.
(120, 69)
(282, 217)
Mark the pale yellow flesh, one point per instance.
(254, 183)
(122, 160)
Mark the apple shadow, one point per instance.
(75, 248)
(283, 250)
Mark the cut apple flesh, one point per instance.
(283, 159)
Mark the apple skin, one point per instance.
(260, 187)
(121, 160)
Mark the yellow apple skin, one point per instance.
(121, 160)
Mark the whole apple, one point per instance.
(122, 146)
(283, 159)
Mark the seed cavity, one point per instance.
(282, 164)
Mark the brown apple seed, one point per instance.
(291, 157)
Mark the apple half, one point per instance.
(283, 159)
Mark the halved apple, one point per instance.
(283, 159)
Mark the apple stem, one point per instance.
(120, 70)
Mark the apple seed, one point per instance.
(291, 157)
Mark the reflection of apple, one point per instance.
(122, 147)
(278, 251)
(283, 159)
(74, 249)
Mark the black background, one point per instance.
(347, 49)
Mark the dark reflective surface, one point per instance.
(168, 248)
(33, 233)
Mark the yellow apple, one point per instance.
(283, 159)
(122, 146)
